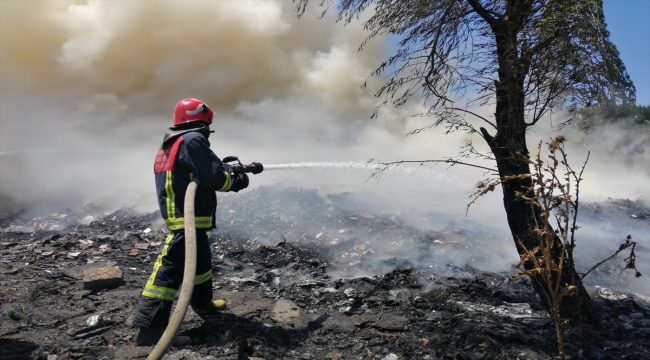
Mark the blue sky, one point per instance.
(628, 22)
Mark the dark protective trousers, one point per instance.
(154, 307)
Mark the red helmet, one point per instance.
(192, 110)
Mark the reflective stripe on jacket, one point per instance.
(176, 165)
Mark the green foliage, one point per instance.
(11, 313)
(641, 114)
(592, 117)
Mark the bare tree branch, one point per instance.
(478, 116)
(476, 5)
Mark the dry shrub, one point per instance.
(555, 191)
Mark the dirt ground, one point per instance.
(285, 259)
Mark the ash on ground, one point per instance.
(306, 276)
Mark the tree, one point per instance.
(613, 82)
(525, 57)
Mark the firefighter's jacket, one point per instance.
(180, 159)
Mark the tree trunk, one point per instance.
(509, 148)
(511, 153)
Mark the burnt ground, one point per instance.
(306, 276)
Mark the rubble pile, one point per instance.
(285, 260)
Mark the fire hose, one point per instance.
(187, 286)
(188, 276)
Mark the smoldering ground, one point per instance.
(83, 113)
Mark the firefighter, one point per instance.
(185, 154)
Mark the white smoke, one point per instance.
(88, 88)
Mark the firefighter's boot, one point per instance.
(211, 308)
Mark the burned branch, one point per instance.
(630, 261)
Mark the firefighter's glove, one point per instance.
(239, 182)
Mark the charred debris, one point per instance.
(306, 276)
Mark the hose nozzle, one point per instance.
(239, 168)
(254, 168)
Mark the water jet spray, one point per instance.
(334, 165)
